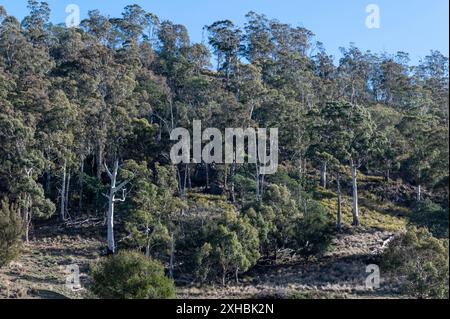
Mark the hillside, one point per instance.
(41, 272)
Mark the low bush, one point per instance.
(131, 275)
(10, 232)
(421, 262)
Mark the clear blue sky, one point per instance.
(413, 26)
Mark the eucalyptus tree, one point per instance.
(346, 136)
(354, 75)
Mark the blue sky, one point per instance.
(413, 26)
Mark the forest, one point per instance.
(86, 177)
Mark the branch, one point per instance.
(121, 186)
(107, 170)
(123, 197)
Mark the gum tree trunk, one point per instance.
(81, 184)
(323, 175)
(339, 212)
(62, 196)
(355, 195)
(111, 200)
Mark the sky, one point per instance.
(413, 26)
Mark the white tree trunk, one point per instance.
(419, 193)
(110, 223)
(355, 195)
(66, 208)
(172, 255)
(323, 175)
(81, 184)
(62, 196)
(111, 200)
(339, 212)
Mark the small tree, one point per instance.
(150, 221)
(11, 229)
(131, 275)
(111, 196)
(421, 261)
(313, 231)
(347, 135)
(232, 246)
(432, 216)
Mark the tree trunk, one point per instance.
(48, 178)
(26, 222)
(207, 177)
(62, 196)
(339, 212)
(258, 197)
(233, 174)
(189, 176)
(419, 193)
(172, 253)
(261, 183)
(388, 175)
(179, 182)
(355, 195)
(67, 194)
(99, 158)
(323, 175)
(81, 184)
(111, 200)
(110, 223)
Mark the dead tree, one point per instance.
(113, 190)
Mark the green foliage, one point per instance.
(432, 216)
(313, 232)
(231, 246)
(131, 275)
(10, 232)
(72, 99)
(421, 261)
(153, 203)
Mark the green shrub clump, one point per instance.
(421, 262)
(432, 216)
(313, 232)
(10, 232)
(131, 275)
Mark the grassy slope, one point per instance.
(40, 272)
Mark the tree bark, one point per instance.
(207, 177)
(257, 180)
(355, 195)
(62, 196)
(66, 209)
(339, 212)
(323, 175)
(233, 174)
(81, 185)
(111, 200)
(172, 254)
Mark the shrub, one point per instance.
(421, 261)
(231, 246)
(432, 216)
(313, 231)
(131, 275)
(10, 232)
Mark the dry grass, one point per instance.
(41, 270)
